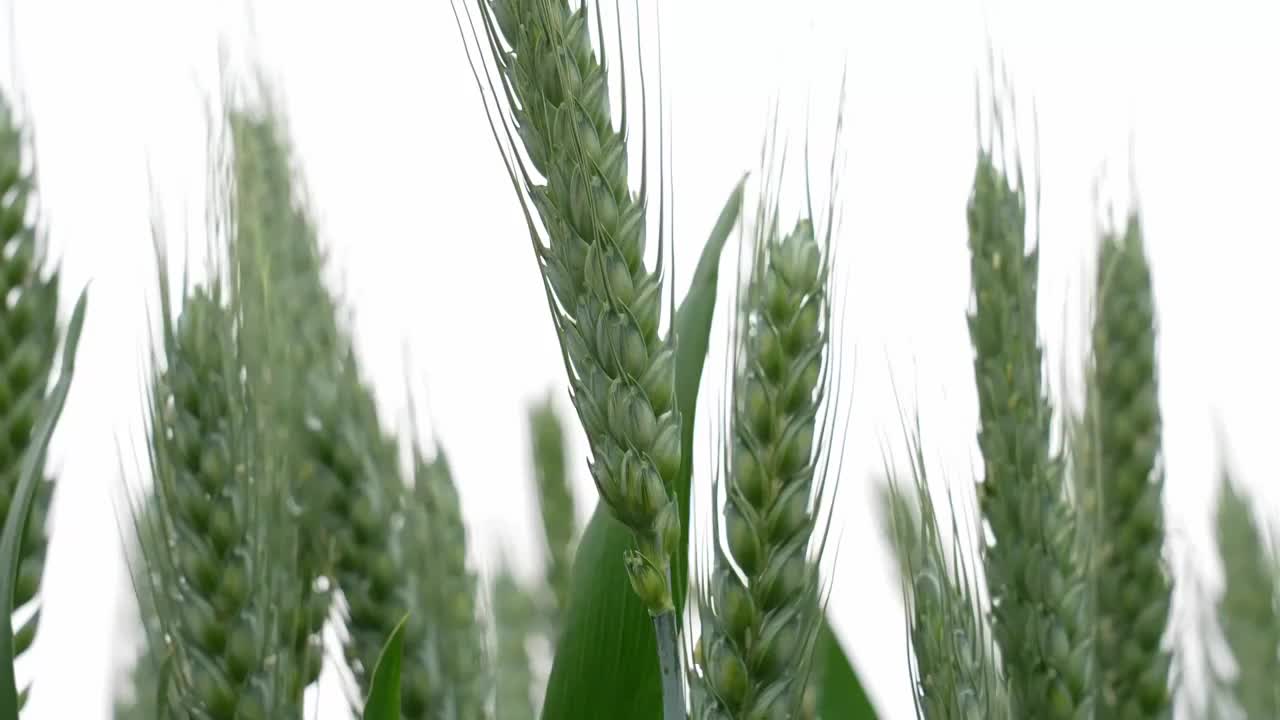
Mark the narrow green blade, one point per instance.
(383, 702)
(840, 694)
(15, 522)
(606, 662)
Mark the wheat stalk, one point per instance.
(1037, 582)
(28, 341)
(1133, 589)
(1249, 609)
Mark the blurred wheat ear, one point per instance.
(28, 343)
(1133, 590)
(956, 673)
(213, 543)
(1248, 612)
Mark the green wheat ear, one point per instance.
(1132, 587)
(956, 673)
(1249, 609)
(761, 594)
(223, 600)
(1036, 577)
(605, 302)
(297, 351)
(516, 620)
(555, 499)
(444, 632)
(28, 341)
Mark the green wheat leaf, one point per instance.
(840, 694)
(24, 494)
(384, 692)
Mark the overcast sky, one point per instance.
(430, 250)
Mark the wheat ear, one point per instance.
(224, 600)
(1036, 577)
(1133, 589)
(761, 608)
(606, 304)
(28, 341)
(1249, 609)
(555, 500)
(277, 264)
(955, 671)
(443, 632)
(516, 619)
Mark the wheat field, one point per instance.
(1170, 109)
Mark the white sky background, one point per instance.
(432, 254)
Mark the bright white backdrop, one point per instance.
(432, 255)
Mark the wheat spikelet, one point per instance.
(1133, 589)
(1037, 582)
(1249, 609)
(28, 340)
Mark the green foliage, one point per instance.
(384, 692)
(839, 692)
(1132, 588)
(17, 517)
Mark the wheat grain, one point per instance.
(1037, 584)
(1133, 590)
